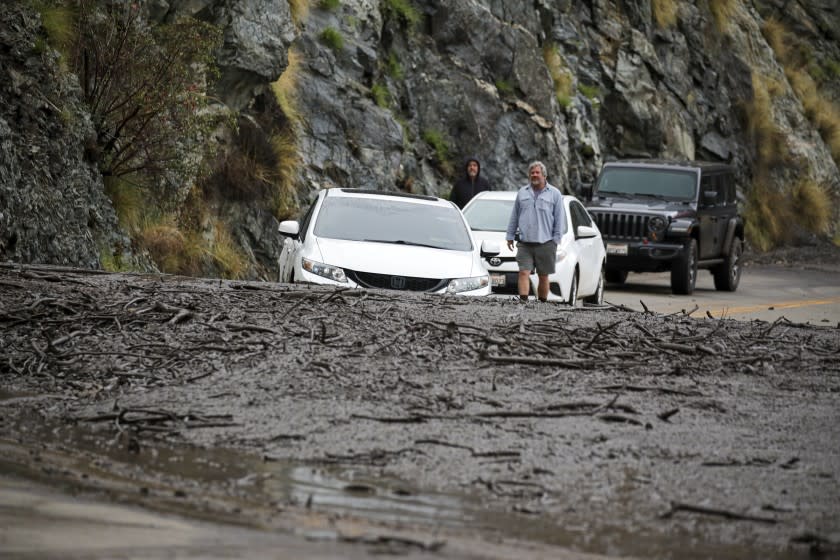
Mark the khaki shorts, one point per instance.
(540, 255)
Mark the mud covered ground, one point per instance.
(439, 426)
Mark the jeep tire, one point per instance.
(728, 275)
(684, 270)
(616, 276)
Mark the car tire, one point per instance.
(572, 300)
(616, 276)
(684, 270)
(728, 275)
(598, 297)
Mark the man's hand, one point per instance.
(510, 244)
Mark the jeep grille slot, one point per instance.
(617, 225)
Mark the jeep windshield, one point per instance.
(628, 182)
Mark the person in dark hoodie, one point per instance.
(470, 184)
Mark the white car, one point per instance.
(377, 239)
(579, 272)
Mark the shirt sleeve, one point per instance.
(514, 220)
(559, 220)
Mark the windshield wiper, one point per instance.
(656, 196)
(614, 193)
(403, 242)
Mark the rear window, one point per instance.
(489, 215)
(633, 181)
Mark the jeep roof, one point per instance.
(703, 166)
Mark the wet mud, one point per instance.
(422, 422)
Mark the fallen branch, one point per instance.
(689, 508)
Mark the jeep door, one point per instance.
(712, 215)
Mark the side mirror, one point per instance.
(490, 249)
(586, 232)
(584, 190)
(289, 228)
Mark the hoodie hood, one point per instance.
(467, 163)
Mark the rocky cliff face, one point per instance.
(52, 205)
(398, 105)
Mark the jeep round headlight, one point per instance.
(657, 224)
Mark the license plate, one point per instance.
(497, 280)
(616, 248)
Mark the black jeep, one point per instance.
(666, 215)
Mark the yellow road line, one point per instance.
(772, 306)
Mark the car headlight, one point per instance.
(457, 285)
(327, 271)
(561, 254)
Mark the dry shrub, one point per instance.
(664, 12)
(811, 206)
(762, 224)
(722, 12)
(285, 88)
(288, 162)
(819, 109)
(774, 33)
(299, 10)
(765, 136)
(226, 254)
(823, 114)
(165, 244)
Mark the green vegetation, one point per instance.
(560, 74)
(329, 5)
(332, 38)
(436, 140)
(590, 92)
(402, 10)
(394, 67)
(59, 21)
(504, 87)
(381, 95)
(664, 12)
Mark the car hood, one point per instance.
(668, 207)
(401, 260)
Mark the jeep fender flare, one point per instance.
(731, 230)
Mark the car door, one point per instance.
(587, 250)
(712, 215)
(290, 253)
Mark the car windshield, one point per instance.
(631, 181)
(488, 215)
(382, 220)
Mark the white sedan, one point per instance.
(377, 239)
(579, 271)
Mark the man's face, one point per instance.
(537, 177)
(472, 169)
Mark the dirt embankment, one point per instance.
(603, 430)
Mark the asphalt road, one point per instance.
(768, 293)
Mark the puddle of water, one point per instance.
(355, 492)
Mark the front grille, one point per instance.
(502, 260)
(616, 225)
(392, 282)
